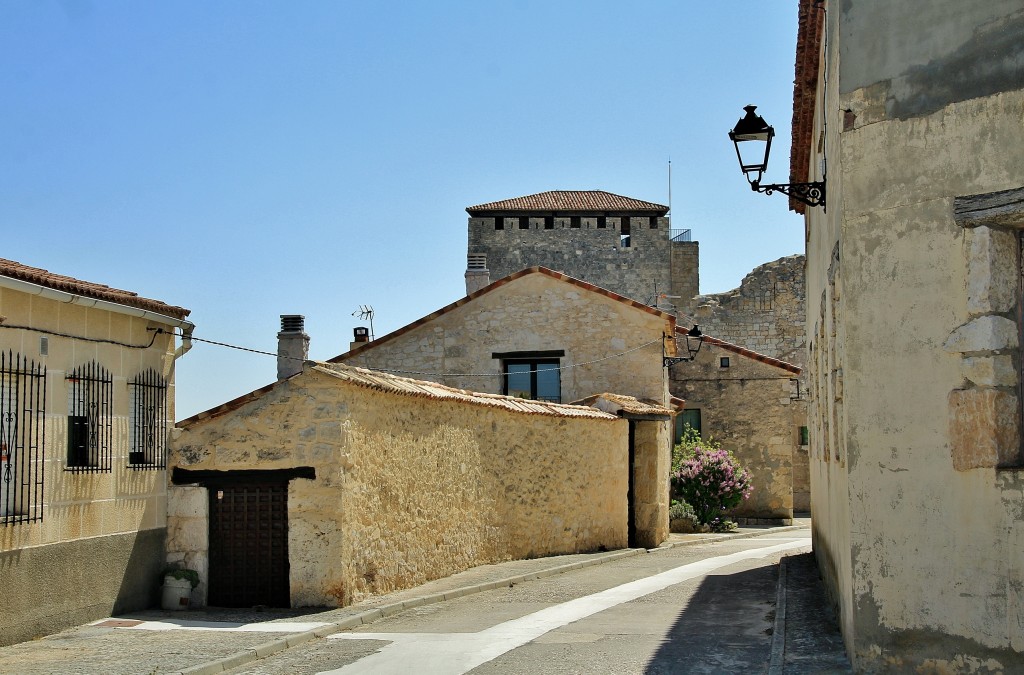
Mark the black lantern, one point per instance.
(694, 339)
(756, 135)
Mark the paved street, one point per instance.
(706, 605)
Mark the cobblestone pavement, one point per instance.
(213, 640)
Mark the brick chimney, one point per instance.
(360, 336)
(292, 345)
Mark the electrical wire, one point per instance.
(418, 372)
(156, 331)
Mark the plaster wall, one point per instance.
(410, 488)
(534, 312)
(917, 544)
(749, 408)
(92, 523)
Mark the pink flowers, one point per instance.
(711, 481)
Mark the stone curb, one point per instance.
(777, 662)
(369, 616)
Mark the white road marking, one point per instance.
(223, 626)
(457, 653)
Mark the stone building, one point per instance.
(338, 482)
(615, 242)
(753, 405)
(765, 314)
(538, 334)
(86, 404)
(913, 318)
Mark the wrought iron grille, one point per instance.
(90, 429)
(22, 433)
(148, 422)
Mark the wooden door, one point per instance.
(249, 544)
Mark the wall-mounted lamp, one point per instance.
(754, 160)
(694, 339)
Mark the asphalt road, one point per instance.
(695, 609)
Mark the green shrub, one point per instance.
(177, 573)
(680, 510)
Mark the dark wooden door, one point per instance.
(249, 544)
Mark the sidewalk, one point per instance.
(153, 642)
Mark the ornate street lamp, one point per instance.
(756, 136)
(694, 339)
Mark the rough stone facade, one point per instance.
(766, 314)
(631, 252)
(79, 541)
(913, 280)
(609, 343)
(751, 408)
(606, 344)
(412, 482)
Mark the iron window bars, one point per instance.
(149, 422)
(22, 433)
(90, 395)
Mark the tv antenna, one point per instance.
(363, 313)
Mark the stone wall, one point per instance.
(409, 488)
(649, 265)
(749, 408)
(609, 345)
(766, 314)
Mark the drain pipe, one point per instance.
(186, 339)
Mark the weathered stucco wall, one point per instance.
(916, 528)
(749, 408)
(98, 528)
(410, 488)
(534, 312)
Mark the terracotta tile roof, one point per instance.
(750, 354)
(805, 91)
(619, 403)
(47, 279)
(487, 289)
(570, 200)
(403, 386)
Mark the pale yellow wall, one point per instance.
(535, 313)
(409, 489)
(922, 552)
(82, 505)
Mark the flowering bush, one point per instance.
(710, 480)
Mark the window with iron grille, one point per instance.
(22, 410)
(148, 423)
(90, 396)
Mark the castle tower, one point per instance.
(619, 243)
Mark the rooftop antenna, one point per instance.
(670, 192)
(363, 313)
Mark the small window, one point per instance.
(90, 434)
(805, 438)
(602, 222)
(524, 223)
(538, 379)
(499, 223)
(687, 418)
(148, 423)
(574, 222)
(723, 362)
(549, 222)
(654, 223)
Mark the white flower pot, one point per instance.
(176, 593)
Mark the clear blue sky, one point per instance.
(252, 159)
